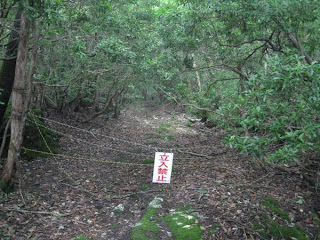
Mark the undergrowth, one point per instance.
(271, 228)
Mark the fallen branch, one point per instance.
(195, 154)
(38, 212)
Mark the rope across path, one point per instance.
(119, 145)
(59, 158)
(146, 146)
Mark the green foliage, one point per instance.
(240, 59)
(280, 109)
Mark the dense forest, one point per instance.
(248, 68)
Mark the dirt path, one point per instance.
(109, 165)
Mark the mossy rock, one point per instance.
(183, 225)
(146, 229)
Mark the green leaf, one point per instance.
(202, 191)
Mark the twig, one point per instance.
(38, 212)
(195, 154)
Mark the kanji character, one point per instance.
(162, 171)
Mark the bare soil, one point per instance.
(75, 193)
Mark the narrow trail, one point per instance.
(108, 164)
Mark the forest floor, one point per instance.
(101, 184)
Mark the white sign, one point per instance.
(162, 167)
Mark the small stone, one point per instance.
(103, 235)
(156, 202)
(118, 209)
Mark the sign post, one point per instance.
(162, 167)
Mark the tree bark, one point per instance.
(194, 66)
(7, 71)
(297, 43)
(17, 104)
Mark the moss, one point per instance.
(315, 218)
(80, 237)
(151, 136)
(151, 143)
(6, 187)
(183, 225)
(121, 158)
(144, 187)
(4, 236)
(115, 226)
(287, 232)
(269, 229)
(166, 125)
(33, 139)
(148, 161)
(163, 130)
(167, 138)
(136, 150)
(256, 225)
(146, 227)
(273, 206)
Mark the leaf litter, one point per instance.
(68, 196)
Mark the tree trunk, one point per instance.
(194, 65)
(8, 67)
(18, 110)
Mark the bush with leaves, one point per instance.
(277, 118)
